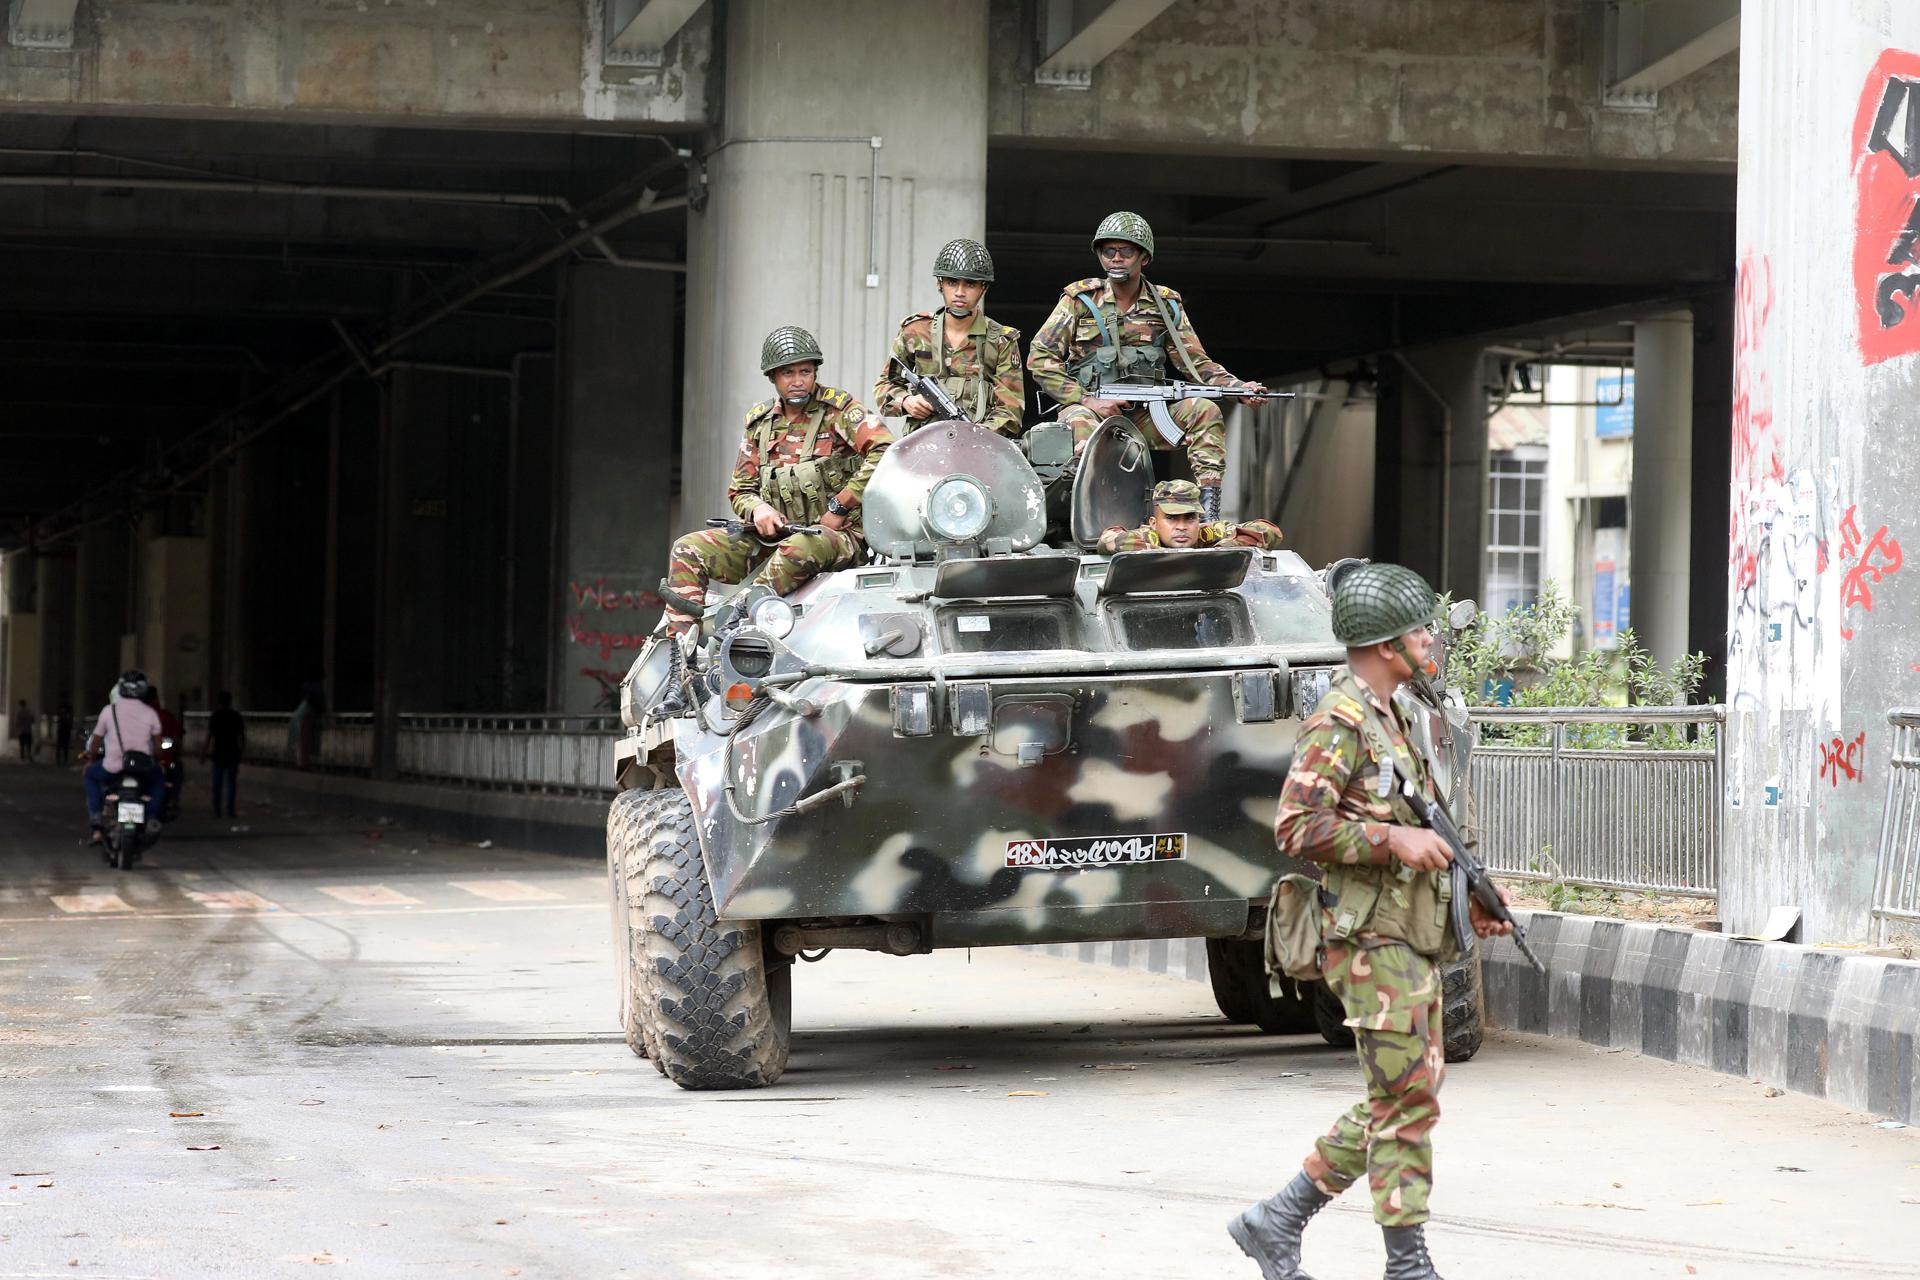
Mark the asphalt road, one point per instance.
(319, 1043)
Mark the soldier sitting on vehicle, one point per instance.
(975, 359)
(805, 460)
(1176, 524)
(1117, 325)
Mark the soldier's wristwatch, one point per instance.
(837, 507)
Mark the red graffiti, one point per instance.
(603, 641)
(1868, 564)
(1886, 242)
(601, 596)
(1752, 392)
(1841, 758)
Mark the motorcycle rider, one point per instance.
(124, 724)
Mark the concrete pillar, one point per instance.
(615, 471)
(21, 647)
(173, 624)
(1824, 595)
(795, 232)
(1660, 537)
(100, 615)
(1431, 466)
(54, 602)
(1712, 408)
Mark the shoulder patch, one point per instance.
(1342, 710)
(759, 410)
(1092, 284)
(916, 317)
(834, 396)
(1171, 295)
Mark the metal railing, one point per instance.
(1896, 880)
(1602, 802)
(571, 754)
(342, 742)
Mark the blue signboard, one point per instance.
(1622, 618)
(1605, 600)
(1613, 421)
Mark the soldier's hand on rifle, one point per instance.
(1484, 925)
(1253, 386)
(1419, 848)
(918, 406)
(768, 520)
(1105, 408)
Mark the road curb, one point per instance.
(1818, 1021)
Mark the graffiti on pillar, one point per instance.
(1886, 246)
(1843, 759)
(1865, 564)
(1752, 390)
(614, 630)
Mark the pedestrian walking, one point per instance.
(63, 731)
(1382, 918)
(225, 744)
(23, 729)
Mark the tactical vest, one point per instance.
(959, 385)
(1144, 361)
(1390, 899)
(801, 489)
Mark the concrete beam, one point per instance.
(638, 30)
(1654, 43)
(1079, 36)
(41, 24)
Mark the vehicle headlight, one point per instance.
(958, 509)
(771, 616)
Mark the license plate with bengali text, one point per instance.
(1078, 852)
(132, 811)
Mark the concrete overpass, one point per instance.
(386, 346)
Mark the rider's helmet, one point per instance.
(132, 684)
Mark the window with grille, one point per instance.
(1516, 492)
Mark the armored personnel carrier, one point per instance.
(986, 736)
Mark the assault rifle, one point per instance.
(1158, 395)
(1470, 877)
(943, 404)
(735, 528)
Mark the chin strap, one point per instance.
(1419, 674)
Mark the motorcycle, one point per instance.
(131, 814)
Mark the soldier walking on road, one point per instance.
(976, 359)
(1383, 921)
(1176, 525)
(806, 460)
(1119, 325)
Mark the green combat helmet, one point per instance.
(788, 344)
(1376, 603)
(1130, 227)
(964, 260)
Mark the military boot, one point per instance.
(1210, 502)
(1407, 1254)
(1269, 1232)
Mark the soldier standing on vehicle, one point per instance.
(1176, 524)
(1384, 923)
(806, 460)
(975, 358)
(1119, 325)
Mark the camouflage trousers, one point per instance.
(714, 555)
(1392, 997)
(1199, 420)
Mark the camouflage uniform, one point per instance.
(982, 374)
(1332, 812)
(1073, 333)
(1250, 533)
(834, 426)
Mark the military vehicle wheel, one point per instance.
(713, 1013)
(1460, 997)
(1227, 973)
(628, 821)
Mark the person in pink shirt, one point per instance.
(126, 725)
